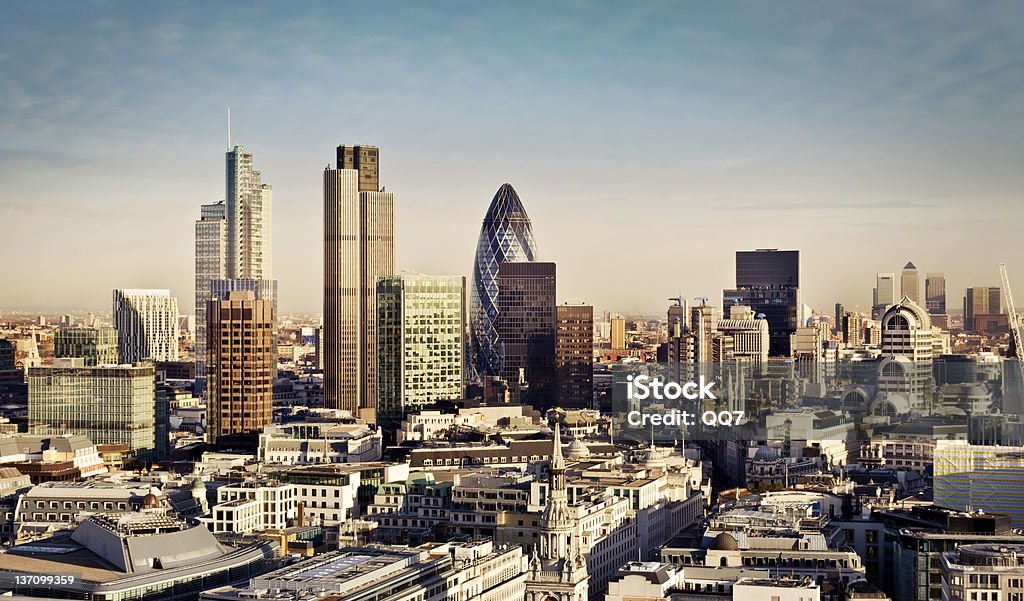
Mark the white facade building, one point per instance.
(983, 572)
(304, 444)
(908, 345)
(252, 507)
(248, 203)
(749, 335)
(470, 571)
(147, 325)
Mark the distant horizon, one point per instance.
(647, 148)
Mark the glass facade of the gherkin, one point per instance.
(506, 235)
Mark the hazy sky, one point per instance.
(648, 141)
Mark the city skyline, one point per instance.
(453, 301)
(897, 138)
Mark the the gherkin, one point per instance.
(506, 235)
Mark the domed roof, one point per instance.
(915, 315)
(577, 450)
(890, 404)
(766, 453)
(724, 542)
(198, 484)
(654, 458)
(150, 501)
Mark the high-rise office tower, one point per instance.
(96, 346)
(505, 235)
(248, 214)
(240, 361)
(359, 230)
(8, 354)
(574, 356)
(11, 375)
(233, 237)
(908, 345)
(768, 281)
(853, 329)
(110, 404)
(147, 325)
(13, 390)
(884, 294)
(527, 327)
(980, 300)
(211, 264)
(837, 326)
(910, 282)
(935, 293)
(365, 160)
(421, 342)
(264, 290)
(618, 331)
(678, 316)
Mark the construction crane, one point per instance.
(1014, 319)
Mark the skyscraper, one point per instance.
(265, 290)
(147, 325)
(112, 404)
(13, 392)
(905, 372)
(910, 282)
(421, 326)
(96, 346)
(365, 160)
(240, 358)
(527, 327)
(884, 294)
(618, 331)
(935, 293)
(853, 329)
(248, 203)
(980, 300)
(574, 356)
(358, 250)
(211, 264)
(768, 281)
(505, 235)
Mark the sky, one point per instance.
(648, 141)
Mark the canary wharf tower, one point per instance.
(506, 235)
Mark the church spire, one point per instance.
(559, 572)
(556, 453)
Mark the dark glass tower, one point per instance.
(768, 281)
(527, 326)
(506, 235)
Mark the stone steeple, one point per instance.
(558, 572)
